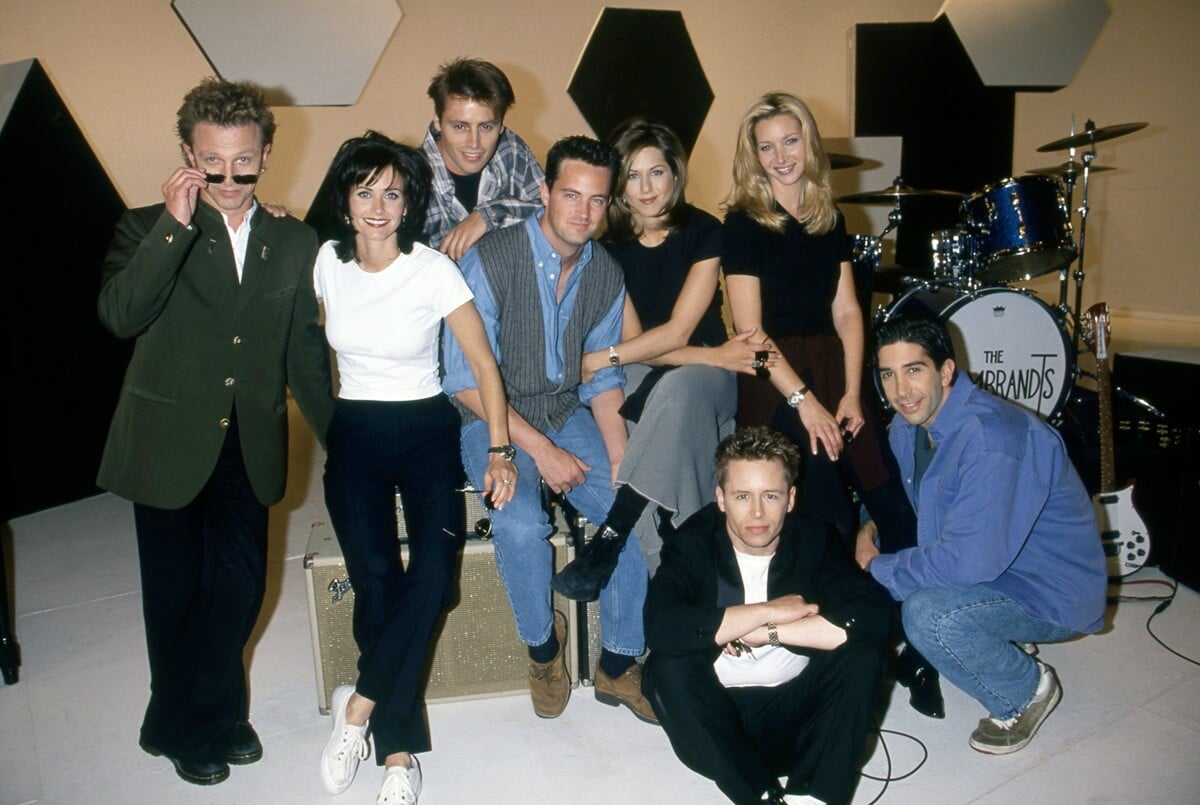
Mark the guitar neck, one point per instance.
(1104, 395)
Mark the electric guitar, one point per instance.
(1122, 532)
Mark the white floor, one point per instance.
(1128, 728)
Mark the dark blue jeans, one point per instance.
(375, 448)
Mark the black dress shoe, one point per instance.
(583, 578)
(197, 772)
(925, 694)
(924, 687)
(242, 745)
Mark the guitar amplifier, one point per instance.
(477, 654)
(1160, 450)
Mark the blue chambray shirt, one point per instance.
(547, 264)
(1001, 506)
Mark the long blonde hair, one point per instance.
(752, 189)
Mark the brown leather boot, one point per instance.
(627, 690)
(549, 683)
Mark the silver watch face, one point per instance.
(795, 398)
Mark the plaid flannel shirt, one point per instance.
(509, 188)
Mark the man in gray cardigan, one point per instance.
(547, 293)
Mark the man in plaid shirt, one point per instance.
(484, 176)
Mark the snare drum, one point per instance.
(1009, 342)
(1023, 226)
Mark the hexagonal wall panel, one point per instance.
(1026, 43)
(304, 52)
(641, 62)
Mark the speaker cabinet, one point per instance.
(1159, 449)
(478, 653)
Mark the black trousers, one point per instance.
(812, 730)
(203, 573)
(375, 448)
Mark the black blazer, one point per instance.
(699, 578)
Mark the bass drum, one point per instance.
(1009, 342)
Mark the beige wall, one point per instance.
(123, 65)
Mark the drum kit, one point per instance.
(1011, 231)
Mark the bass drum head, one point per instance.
(1009, 342)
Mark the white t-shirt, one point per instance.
(384, 325)
(766, 666)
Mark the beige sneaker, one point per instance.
(627, 690)
(549, 684)
(996, 736)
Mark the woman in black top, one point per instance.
(670, 254)
(786, 258)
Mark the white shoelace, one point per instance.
(401, 786)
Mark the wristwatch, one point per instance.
(796, 397)
(613, 358)
(772, 634)
(506, 450)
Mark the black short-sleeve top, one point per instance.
(654, 276)
(798, 272)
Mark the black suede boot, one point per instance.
(583, 578)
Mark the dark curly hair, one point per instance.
(925, 331)
(225, 103)
(758, 444)
(358, 161)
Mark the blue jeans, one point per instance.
(521, 530)
(970, 636)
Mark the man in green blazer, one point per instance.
(219, 298)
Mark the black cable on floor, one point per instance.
(1159, 610)
(889, 779)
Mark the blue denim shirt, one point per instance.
(555, 315)
(1001, 506)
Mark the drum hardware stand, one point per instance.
(1087, 157)
(1088, 137)
(1065, 271)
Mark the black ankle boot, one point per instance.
(583, 578)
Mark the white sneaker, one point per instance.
(401, 786)
(347, 746)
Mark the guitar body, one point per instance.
(1122, 532)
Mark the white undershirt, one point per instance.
(384, 325)
(765, 666)
(240, 238)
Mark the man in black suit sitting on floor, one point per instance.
(765, 636)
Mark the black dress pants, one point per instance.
(203, 571)
(376, 448)
(812, 730)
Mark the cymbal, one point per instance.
(897, 192)
(1068, 170)
(839, 161)
(1092, 135)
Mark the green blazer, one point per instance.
(206, 342)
